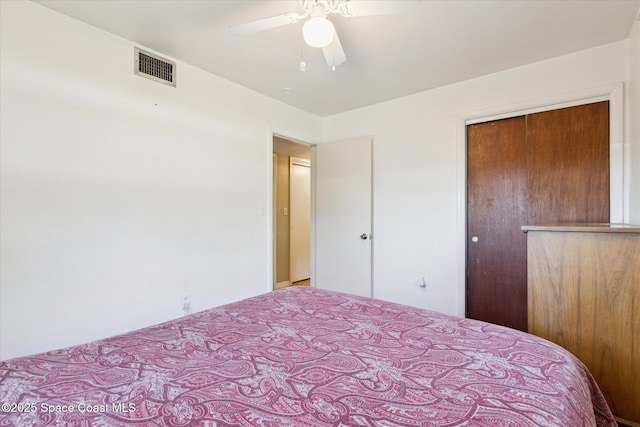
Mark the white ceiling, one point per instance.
(387, 56)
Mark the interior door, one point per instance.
(342, 221)
(299, 219)
(542, 168)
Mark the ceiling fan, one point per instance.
(318, 31)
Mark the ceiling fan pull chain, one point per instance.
(334, 56)
(303, 64)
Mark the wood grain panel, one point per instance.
(496, 202)
(584, 294)
(568, 151)
(541, 168)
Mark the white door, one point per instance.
(342, 221)
(299, 219)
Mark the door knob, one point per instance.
(364, 236)
(474, 239)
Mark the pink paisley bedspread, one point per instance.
(306, 357)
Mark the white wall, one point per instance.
(418, 167)
(634, 122)
(118, 193)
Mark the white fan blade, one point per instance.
(378, 7)
(333, 53)
(265, 24)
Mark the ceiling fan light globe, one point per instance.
(318, 32)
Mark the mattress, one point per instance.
(306, 357)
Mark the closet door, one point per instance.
(542, 168)
(568, 170)
(496, 209)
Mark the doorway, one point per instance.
(299, 220)
(341, 252)
(291, 212)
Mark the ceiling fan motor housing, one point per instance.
(323, 7)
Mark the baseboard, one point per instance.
(281, 285)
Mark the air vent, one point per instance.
(155, 67)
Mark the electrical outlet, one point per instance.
(185, 303)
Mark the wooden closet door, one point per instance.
(542, 168)
(568, 170)
(496, 202)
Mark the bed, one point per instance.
(306, 357)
